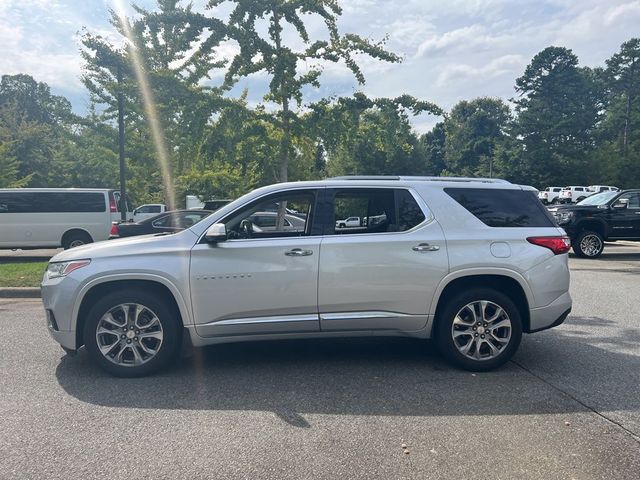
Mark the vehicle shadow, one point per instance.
(344, 377)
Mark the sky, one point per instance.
(452, 50)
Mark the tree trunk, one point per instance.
(286, 141)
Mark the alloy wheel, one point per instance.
(129, 334)
(481, 330)
(591, 245)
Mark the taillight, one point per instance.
(558, 245)
(112, 206)
(114, 230)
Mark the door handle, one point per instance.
(298, 252)
(425, 247)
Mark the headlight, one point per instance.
(62, 269)
(564, 217)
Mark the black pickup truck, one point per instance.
(602, 217)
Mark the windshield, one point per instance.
(598, 199)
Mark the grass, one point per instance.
(28, 274)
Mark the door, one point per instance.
(260, 280)
(625, 222)
(383, 274)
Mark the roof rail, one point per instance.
(423, 179)
(366, 177)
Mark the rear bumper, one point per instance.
(550, 315)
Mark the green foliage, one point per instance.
(282, 62)
(558, 111)
(569, 125)
(474, 130)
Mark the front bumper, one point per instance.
(58, 298)
(550, 315)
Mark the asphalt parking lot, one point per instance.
(568, 406)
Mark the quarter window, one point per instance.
(503, 208)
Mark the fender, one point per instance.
(185, 313)
(468, 272)
(605, 227)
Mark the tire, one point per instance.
(75, 239)
(588, 244)
(554, 201)
(504, 339)
(154, 317)
(342, 225)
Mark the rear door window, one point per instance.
(503, 208)
(375, 210)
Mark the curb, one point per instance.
(20, 292)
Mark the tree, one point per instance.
(283, 62)
(360, 135)
(558, 108)
(433, 144)
(623, 69)
(474, 130)
(161, 46)
(34, 124)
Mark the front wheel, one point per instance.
(588, 244)
(479, 329)
(75, 239)
(131, 334)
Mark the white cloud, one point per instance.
(453, 50)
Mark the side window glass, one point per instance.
(282, 215)
(168, 221)
(409, 212)
(634, 199)
(365, 211)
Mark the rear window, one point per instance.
(503, 208)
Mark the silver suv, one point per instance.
(470, 262)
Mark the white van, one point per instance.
(56, 217)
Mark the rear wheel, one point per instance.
(131, 334)
(588, 244)
(75, 239)
(479, 329)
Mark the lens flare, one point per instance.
(148, 100)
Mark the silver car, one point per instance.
(473, 263)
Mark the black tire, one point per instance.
(75, 239)
(165, 312)
(554, 201)
(588, 244)
(444, 330)
(342, 225)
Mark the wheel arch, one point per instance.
(105, 285)
(505, 281)
(73, 230)
(592, 224)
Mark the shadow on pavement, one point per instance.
(344, 377)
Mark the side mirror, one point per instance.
(216, 233)
(622, 203)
